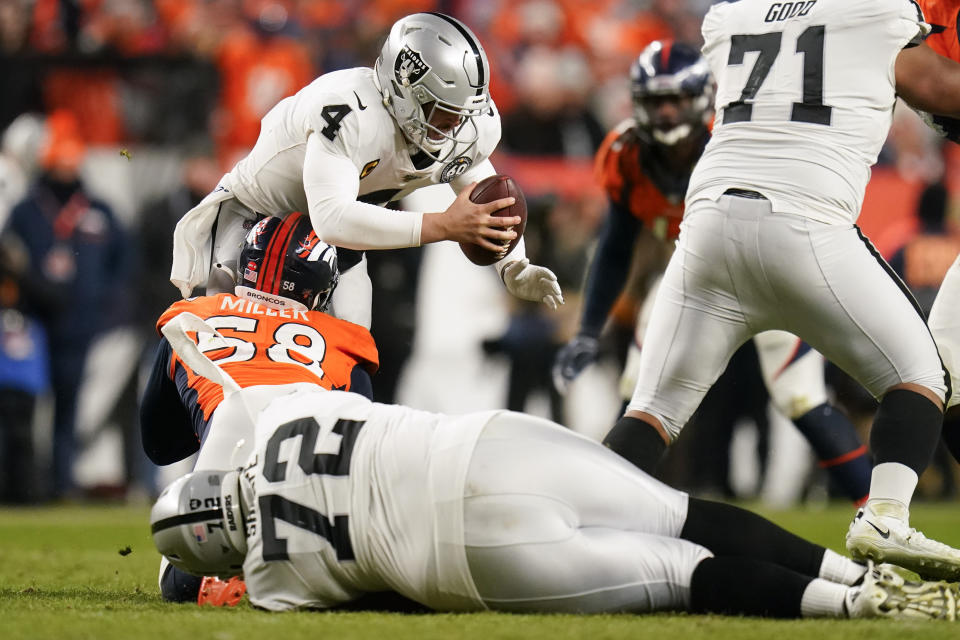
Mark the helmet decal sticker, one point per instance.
(307, 244)
(409, 67)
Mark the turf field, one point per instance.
(90, 572)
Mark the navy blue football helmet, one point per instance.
(283, 261)
(674, 73)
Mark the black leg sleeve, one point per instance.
(636, 441)
(742, 586)
(727, 530)
(951, 432)
(906, 430)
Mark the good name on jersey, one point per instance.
(785, 10)
(242, 305)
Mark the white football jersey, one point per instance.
(345, 496)
(359, 154)
(804, 99)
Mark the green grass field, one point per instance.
(65, 572)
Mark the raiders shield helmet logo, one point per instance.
(455, 167)
(409, 67)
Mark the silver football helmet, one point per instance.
(433, 71)
(198, 525)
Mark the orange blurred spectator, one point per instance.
(324, 14)
(924, 259)
(260, 64)
(380, 14)
(92, 96)
(64, 148)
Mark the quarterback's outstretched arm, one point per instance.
(928, 81)
(331, 184)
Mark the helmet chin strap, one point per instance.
(673, 136)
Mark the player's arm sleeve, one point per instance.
(608, 272)
(360, 381)
(928, 81)
(331, 183)
(166, 429)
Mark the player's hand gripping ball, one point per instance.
(487, 190)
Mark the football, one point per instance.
(487, 190)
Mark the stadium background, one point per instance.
(167, 95)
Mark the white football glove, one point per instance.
(531, 282)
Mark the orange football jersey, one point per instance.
(273, 346)
(620, 172)
(942, 15)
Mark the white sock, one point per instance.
(823, 599)
(840, 569)
(893, 481)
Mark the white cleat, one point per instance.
(884, 593)
(880, 532)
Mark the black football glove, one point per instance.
(573, 358)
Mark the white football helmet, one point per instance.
(197, 524)
(433, 66)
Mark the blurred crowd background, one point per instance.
(119, 115)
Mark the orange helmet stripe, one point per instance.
(275, 255)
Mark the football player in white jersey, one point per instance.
(804, 101)
(353, 141)
(341, 497)
(644, 165)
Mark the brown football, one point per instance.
(487, 190)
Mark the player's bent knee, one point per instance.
(935, 393)
(668, 429)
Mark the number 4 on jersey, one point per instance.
(332, 115)
(810, 44)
